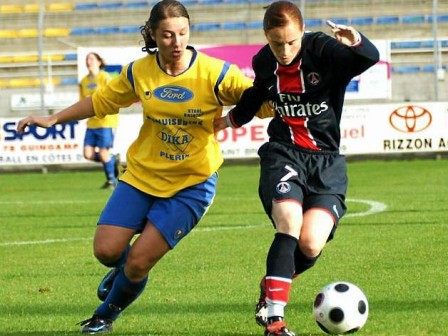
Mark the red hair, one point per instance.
(281, 13)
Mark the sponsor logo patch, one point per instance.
(173, 94)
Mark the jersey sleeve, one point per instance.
(254, 99)
(349, 61)
(118, 93)
(232, 85)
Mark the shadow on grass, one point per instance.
(179, 313)
(62, 333)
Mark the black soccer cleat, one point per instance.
(106, 284)
(96, 325)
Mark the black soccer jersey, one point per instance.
(307, 94)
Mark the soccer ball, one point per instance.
(340, 308)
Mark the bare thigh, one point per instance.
(287, 217)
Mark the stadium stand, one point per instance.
(95, 23)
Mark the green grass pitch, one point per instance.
(392, 244)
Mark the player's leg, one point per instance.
(123, 216)
(281, 195)
(89, 146)
(168, 221)
(111, 244)
(287, 218)
(320, 219)
(104, 144)
(131, 280)
(317, 226)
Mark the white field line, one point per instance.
(375, 207)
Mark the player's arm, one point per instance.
(351, 49)
(80, 110)
(245, 110)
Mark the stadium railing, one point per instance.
(92, 9)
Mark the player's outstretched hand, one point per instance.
(344, 34)
(41, 121)
(219, 124)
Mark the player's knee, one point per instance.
(137, 269)
(310, 250)
(105, 254)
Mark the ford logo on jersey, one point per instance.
(173, 94)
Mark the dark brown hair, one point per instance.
(162, 10)
(280, 13)
(98, 57)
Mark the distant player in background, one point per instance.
(303, 178)
(100, 133)
(172, 165)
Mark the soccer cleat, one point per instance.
(108, 185)
(278, 328)
(106, 284)
(96, 325)
(261, 310)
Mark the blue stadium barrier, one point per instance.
(85, 6)
(313, 23)
(440, 18)
(110, 5)
(428, 68)
(188, 3)
(413, 19)
(254, 25)
(431, 68)
(205, 26)
(129, 29)
(79, 31)
(342, 21)
(360, 21)
(427, 44)
(387, 20)
(106, 30)
(233, 25)
(70, 57)
(405, 45)
(406, 69)
(136, 4)
(209, 2)
(235, 2)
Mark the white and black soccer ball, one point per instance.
(340, 308)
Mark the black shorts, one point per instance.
(314, 179)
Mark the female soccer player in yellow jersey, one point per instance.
(100, 133)
(171, 175)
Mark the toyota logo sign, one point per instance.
(410, 119)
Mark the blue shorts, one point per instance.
(99, 137)
(174, 217)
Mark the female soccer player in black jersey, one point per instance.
(303, 177)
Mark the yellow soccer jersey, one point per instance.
(87, 87)
(176, 146)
